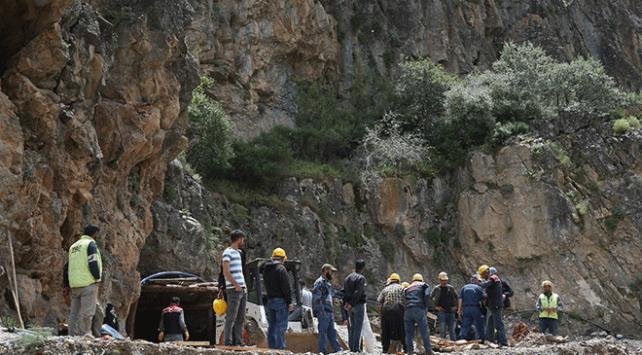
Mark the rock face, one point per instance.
(567, 210)
(92, 109)
(257, 50)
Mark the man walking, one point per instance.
(354, 297)
(494, 305)
(84, 271)
(444, 298)
(322, 293)
(234, 289)
(172, 325)
(277, 286)
(390, 302)
(548, 303)
(417, 300)
(470, 309)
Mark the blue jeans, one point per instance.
(472, 316)
(277, 317)
(495, 323)
(412, 316)
(447, 324)
(327, 333)
(356, 324)
(235, 317)
(548, 323)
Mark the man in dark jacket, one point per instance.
(172, 325)
(444, 298)
(277, 286)
(354, 298)
(417, 301)
(494, 305)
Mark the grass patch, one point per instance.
(315, 170)
(245, 196)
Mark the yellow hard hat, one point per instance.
(220, 306)
(405, 284)
(547, 283)
(443, 276)
(394, 277)
(417, 277)
(483, 269)
(279, 253)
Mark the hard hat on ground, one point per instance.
(405, 284)
(417, 277)
(443, 276)
(220, 306)
(328, 266)
(394, 277)
(279, 253)
(547, 283)
(483, 269)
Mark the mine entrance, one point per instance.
(157, 290)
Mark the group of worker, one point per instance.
(485, 296)
(403, 306)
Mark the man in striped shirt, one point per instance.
(234, 289)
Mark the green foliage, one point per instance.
(503, 131)
(526, 84)
(625, 124)
(611, 222)
(420, 93)
(262, 160)
(210, 150)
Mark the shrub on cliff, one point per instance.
(210, 147)
(420, 94)
(262, 160)
(526, 84)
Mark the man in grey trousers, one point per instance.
(234, 289)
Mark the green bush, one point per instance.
(621, 126)
(420, 94)
(526, 84)
(263, 159)
(210, 149)
(503, 131)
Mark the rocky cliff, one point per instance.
(565, 209)
(257, 51)
(92, 112)
(92, 109)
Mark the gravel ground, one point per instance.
(33, 343)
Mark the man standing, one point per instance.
(548, 303)
(390, 302)
(444, 298)
(494, 305)
(83, 272)
(306, 294)
(234, 289)
(354, 297)
(322, 293)
(172, 325)
(277, 286)
(470, 303)
(417, 300)
(507, 291)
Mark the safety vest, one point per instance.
(79, 274)
(546, 302)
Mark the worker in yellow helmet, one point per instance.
(83, 272)
(492, 286)
(390, 304)
(548, 304)
(279, 304)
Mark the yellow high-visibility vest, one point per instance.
(546, 302)
(79, 273)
